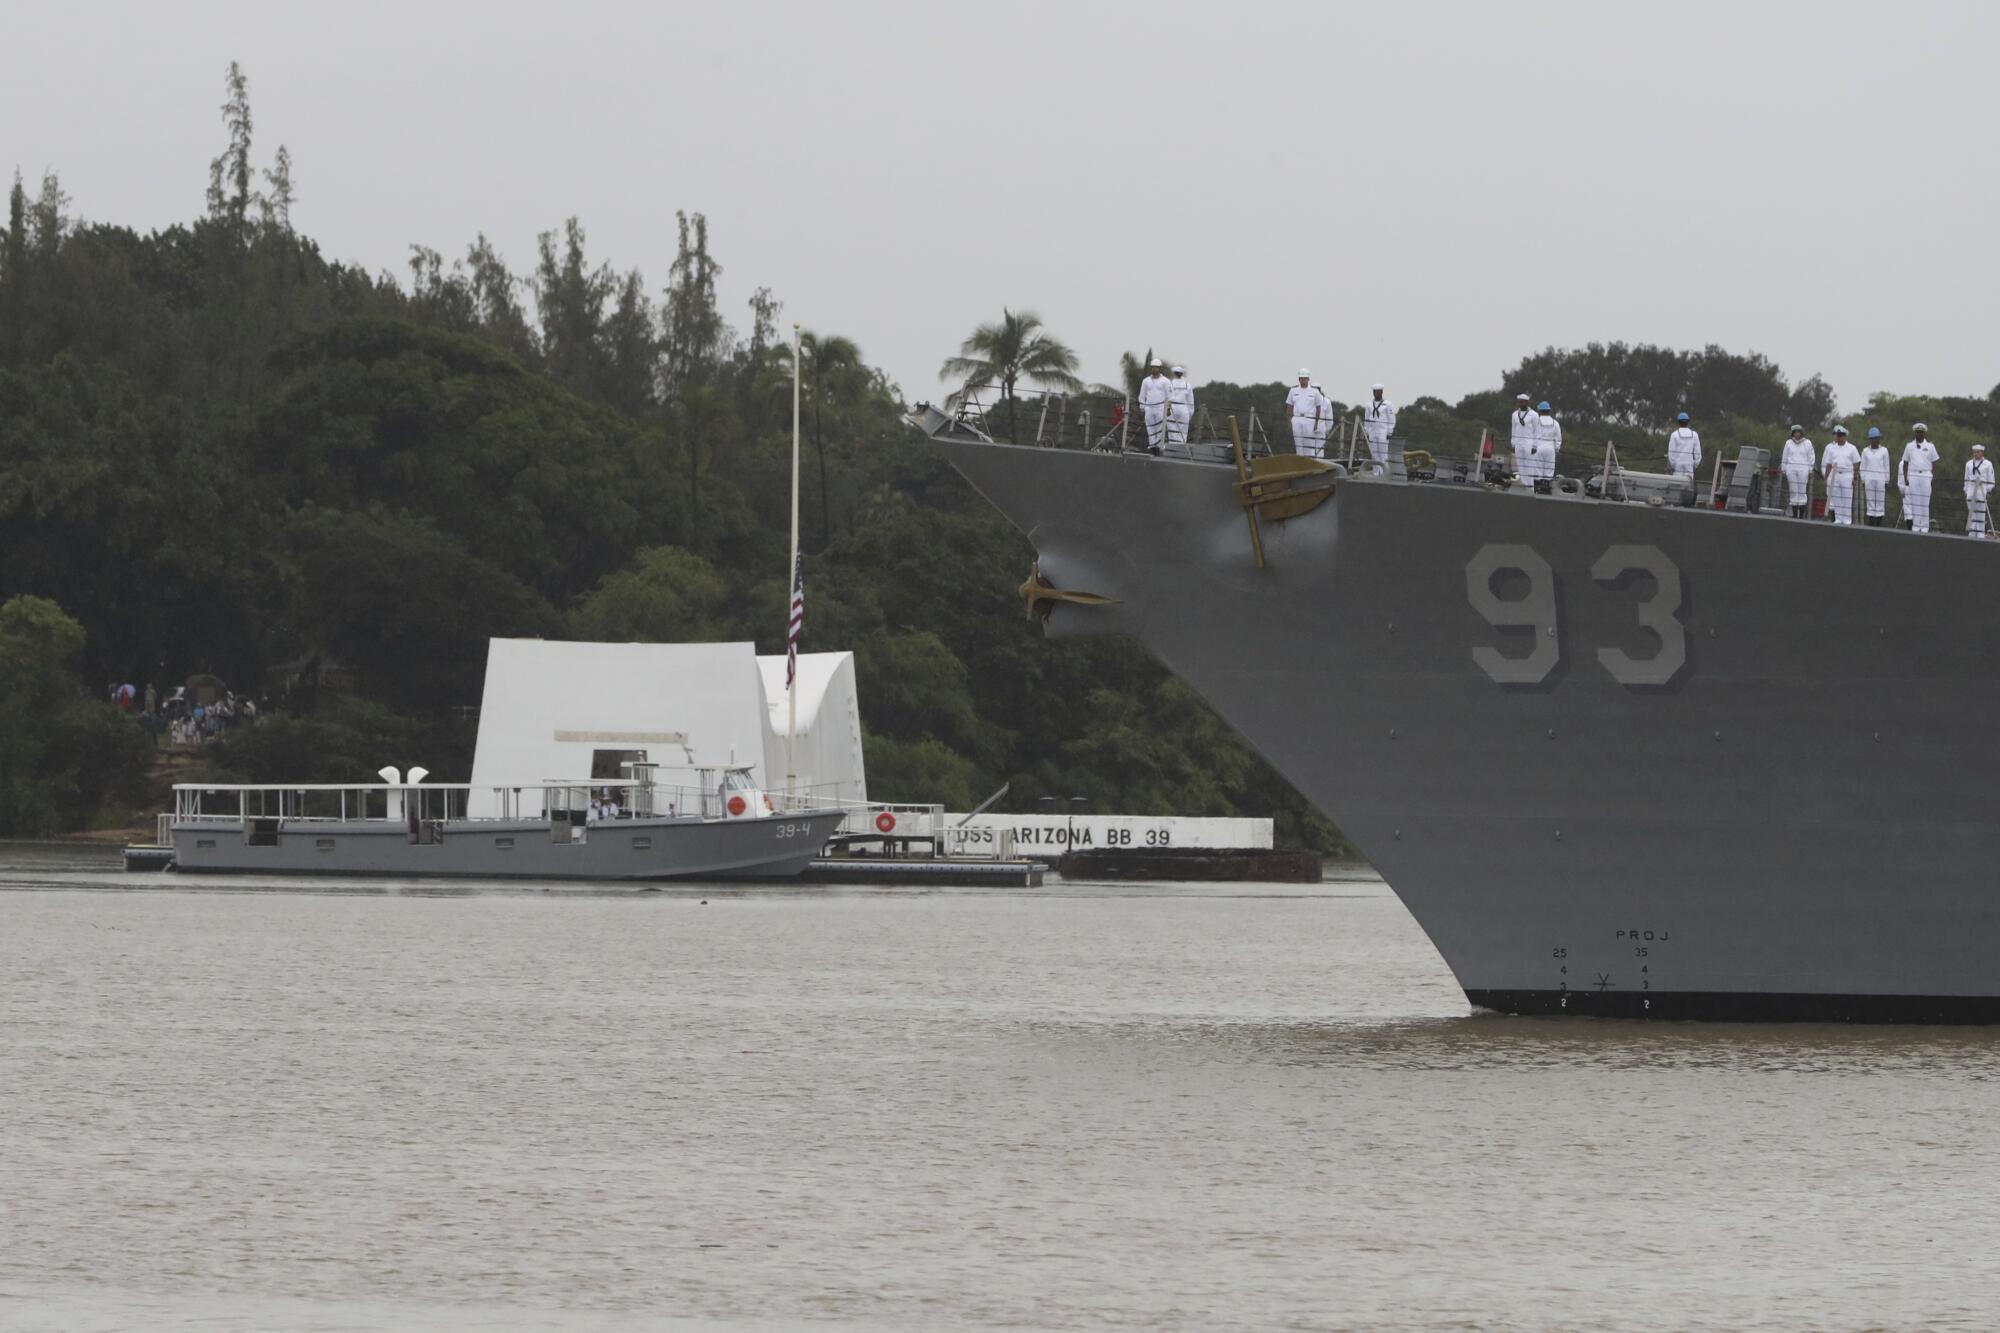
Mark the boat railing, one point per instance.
(577, 801)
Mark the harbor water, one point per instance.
(347, 1105)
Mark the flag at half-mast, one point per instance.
(798, 620)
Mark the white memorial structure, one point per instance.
(572, 711)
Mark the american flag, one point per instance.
(798, 620)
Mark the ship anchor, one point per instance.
(1277, 487)
(1040, 595)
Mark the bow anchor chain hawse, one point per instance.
(1040, 595)
(1277, 487)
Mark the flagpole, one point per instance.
(791, 584)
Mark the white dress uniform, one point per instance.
(1919, 457)
(1153, 399)
(1522, 431)
(1379, 421)
(1310, 418)
(1797, 461)
(1875, 472)
(1683, 452)
(1978, 486)
(1548, 443)
(1180, 409)
(1840, 462)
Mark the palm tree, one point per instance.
(1015, 349)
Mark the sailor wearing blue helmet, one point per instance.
(1683, 449)
(1875, 471)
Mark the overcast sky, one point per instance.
(1417, 193)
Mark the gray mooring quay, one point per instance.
(983, 872)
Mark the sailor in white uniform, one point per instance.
(1874, 472)
(1920, 456)
(1180, 407)
(1683, 449)
(1325, 426)
(1379, 422)
(1548, 441)
(1797, 461)
(1838, 465)
(1153, 399)
(1978, 487)
(1521, 429)
(1307, 407)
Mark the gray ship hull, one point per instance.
(1615, 759)
(615, 850)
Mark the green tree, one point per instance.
(667, 595)
(63, 753)
(1015, 349)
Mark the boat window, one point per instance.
(737, 779)
(642, 844)
(504, 844)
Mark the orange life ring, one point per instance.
(737, 805)
(885, 822)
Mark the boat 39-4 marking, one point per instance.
(1539, 613)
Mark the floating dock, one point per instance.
(937, 870)
(149, 858)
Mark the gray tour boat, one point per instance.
(1625, 746)
(630, 829)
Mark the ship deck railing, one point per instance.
(1588, 470)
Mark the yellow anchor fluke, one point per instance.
(1278, 487)
(1040, 595)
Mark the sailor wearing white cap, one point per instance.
(1919, 457)
(1838, 464)
(1875, 472)
(1521, 428)
(1180, 407)
(1548, 441)
(1683, 449)
(1153, 398)
(1325, 426)
(1978, 486)
(1309, 411)
(1797, 461)
(1379, 422)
